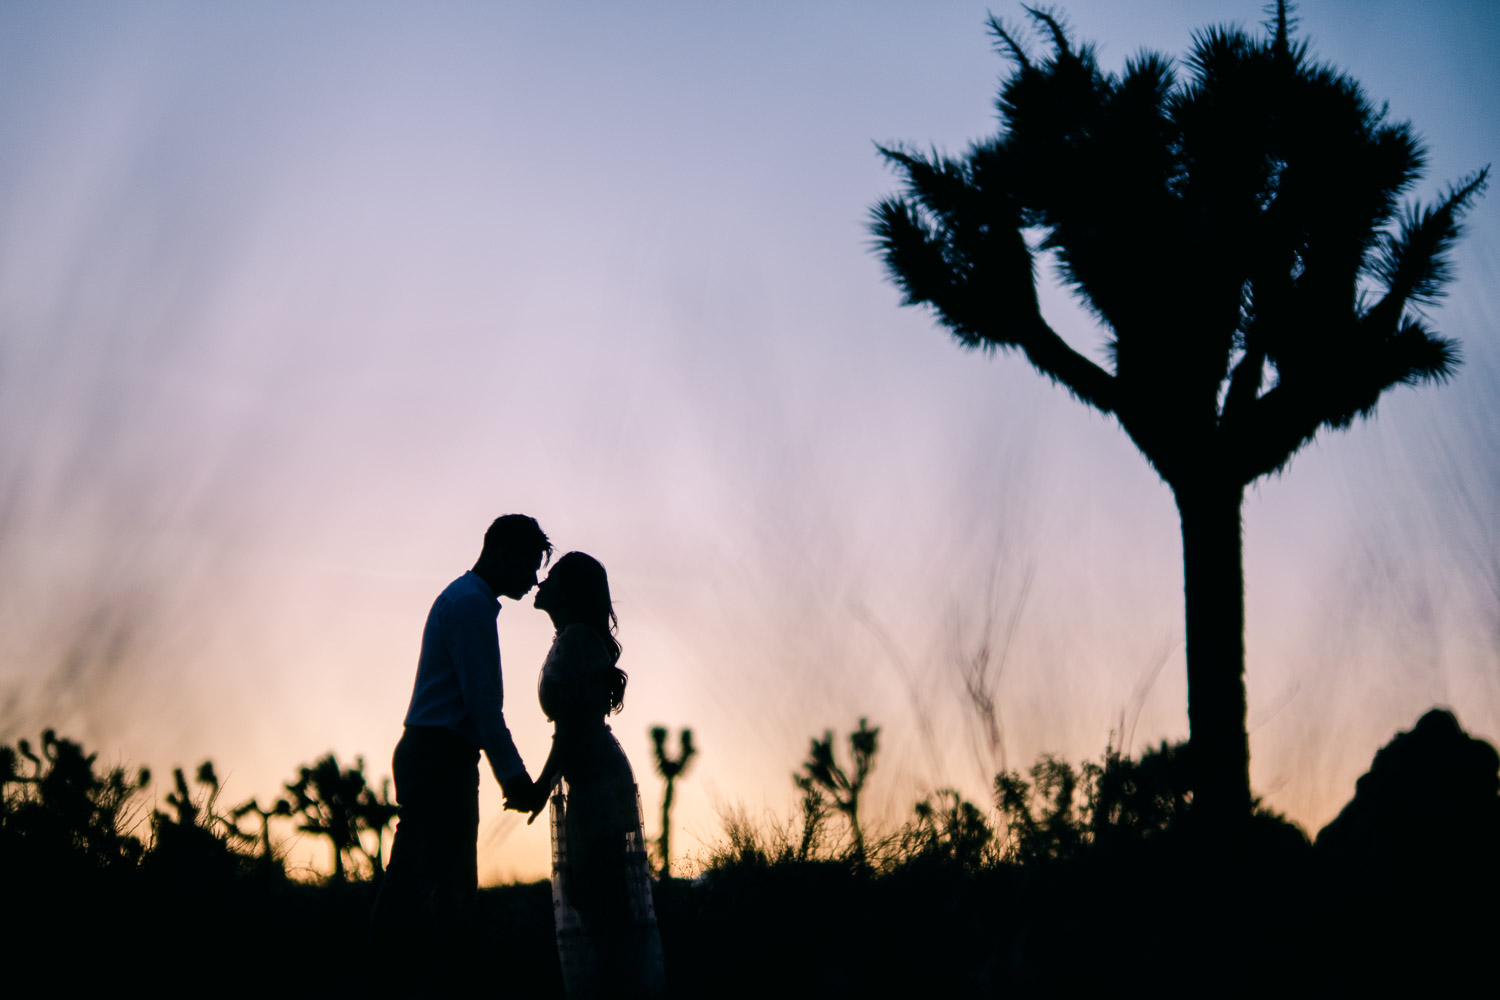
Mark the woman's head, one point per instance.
(576, 592)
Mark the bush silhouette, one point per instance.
(1046, 818)
(949, 830)
(192, 839)
(54, 808)
(1136, 799)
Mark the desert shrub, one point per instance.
(56, 810)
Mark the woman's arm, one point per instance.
(543, 787)
(571, 672)
(545, 779)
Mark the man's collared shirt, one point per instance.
(458, 674)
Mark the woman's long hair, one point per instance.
(583, 588)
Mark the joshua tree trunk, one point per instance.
(1214, 584)
(666, 829)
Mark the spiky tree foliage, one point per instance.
(823, 776)
(670, 768)
(1235, 225)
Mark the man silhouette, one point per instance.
(421, 921)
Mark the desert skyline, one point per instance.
(293, 302)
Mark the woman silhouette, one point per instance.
(607, 936)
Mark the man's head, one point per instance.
(513, 550)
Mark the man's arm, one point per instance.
(469, 629)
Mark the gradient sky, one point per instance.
(295, 298)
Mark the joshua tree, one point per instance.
(281, 807)
(1235, 227)
(670, 768)
(336, 802)
(375, 814)
(822, 774)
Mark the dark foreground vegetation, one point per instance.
(1090, 878)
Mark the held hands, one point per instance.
(543, 793)
(525, 796)
(520, 791)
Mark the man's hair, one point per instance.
(517, 533)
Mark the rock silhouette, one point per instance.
(1430, 799)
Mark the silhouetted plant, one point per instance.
(814, 806)
(670, 768)
(1135, 799)
(1237, 232)
(1046, 818)
(191, 837)
(336, 802)
(949, 829)
(61, 807)
(200, 811)
(279, 808)
(823, 775)
(375, 814)
(747, 844)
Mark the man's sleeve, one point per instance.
(470, 628)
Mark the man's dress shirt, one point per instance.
(458, 674)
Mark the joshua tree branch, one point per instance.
(987, 299)
(1274, 426)
(1414, 264)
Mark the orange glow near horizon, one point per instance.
(294, 302)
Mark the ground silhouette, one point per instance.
(1082, 878)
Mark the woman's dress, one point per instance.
(607, 936)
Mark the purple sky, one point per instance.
(295, 299)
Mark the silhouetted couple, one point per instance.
(606, 925)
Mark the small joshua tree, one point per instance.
(670, 768)
(822, 774)
(336, 802)
(281, 807)
(375, 814)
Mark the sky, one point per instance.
(296, 298)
